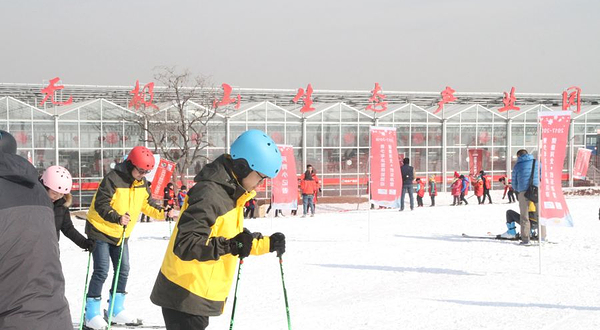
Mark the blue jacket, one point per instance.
(465, 181)
(522, 172)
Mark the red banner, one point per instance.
(161, 178)
(581, 163)
(386, 179)
(284, 187)
(475, 161)
(553, 208)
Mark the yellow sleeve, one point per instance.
(152, 211)
(260, 246)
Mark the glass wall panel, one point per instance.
(216, 136)
(419, 135)
(484, 135)
(90, 135)
(402, 135)
(276, 132)
(134, 135)
(42, 158)
(518, 135)
(68, 135)
(467, 135)
(331, 135)
(236, 129)
(434, 163)
(349, 160)
(313, 135)
(91, 163)
(452, 135)
(434, 135)
(331, 160)
(499, 135)
(363, 159)
(69, 159)
(90, 112)
(17, 110)
(364, 136)
(110, 159)
(112, 135)
(294, 135)
(419, 159)
(43, 134)
(349, 136)
(314, 157)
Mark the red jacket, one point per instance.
(456, 187)
(310, 187)
(478, 187)
(420, 189)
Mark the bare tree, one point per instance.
(179, 133)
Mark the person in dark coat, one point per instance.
(32, 284)
(408, 176)
(58, 182)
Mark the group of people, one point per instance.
(209, 235)
(459, 188)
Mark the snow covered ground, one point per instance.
(392, 270)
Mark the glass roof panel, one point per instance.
(349, 113)
(417, 115)
(484, 115)
(90, 111)
(257, 113)
(275, 113)
(333, 113)
(111, 111)
(3, 108)
(18, 110)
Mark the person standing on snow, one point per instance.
(487, 185)
(32, 285)
(420, 192)
(521, 174)
(478, 188)
(181, 196)
(408, 176)
(464, 189)
(455, 188)
(198, 268)
(508, 189)
(310, 185)
(432, 190)
(58, 182)
(122, 195)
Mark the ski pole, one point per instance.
(116, 281)
(287, 307)
(235, 293)
(87, 274)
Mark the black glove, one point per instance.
(277, 244)
(89, 245)
(241, 244)
(320, 190)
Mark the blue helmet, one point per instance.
(259, 150)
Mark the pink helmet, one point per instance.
(58, 179)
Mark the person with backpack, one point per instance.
(525, 173)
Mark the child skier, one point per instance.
(198, 269)
(455, 189)
(58, 182)
(464, 190)
(420, 192)
(181, 196)
(432, 190)
(122, 195)
(508, 188)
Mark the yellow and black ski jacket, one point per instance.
(119, 193)
(198, 267)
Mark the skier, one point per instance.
(58, 182)
(464, 190)
(432, 190)
(478, 188)
(487, 185)
(116, 206)
(420, 192)
(181, 196)
(408, 175)
(199, 265)
(508, 188)
(169, 198)
(513, 218)
(31, 278)
(455, 189)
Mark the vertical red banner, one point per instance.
(475, 161)
(386, 179)
(581, 163)
(553, 208)
(163, 175)
(284, 186)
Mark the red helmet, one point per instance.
(142, 158)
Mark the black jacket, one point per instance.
(32, 286)
(408, 175)
(63, 222)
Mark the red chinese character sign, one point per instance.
(139, 97)
(509, 101)
(376, 103)
(49, 91)
(447, 96)
(386, 180)
(285, 184)
(582, 162)
(570, 97)
(306, 97)
(553, 209)
(227, 99)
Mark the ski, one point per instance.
(119, 326)
(496, 237)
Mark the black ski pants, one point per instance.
(176, 320)
(486, 192)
